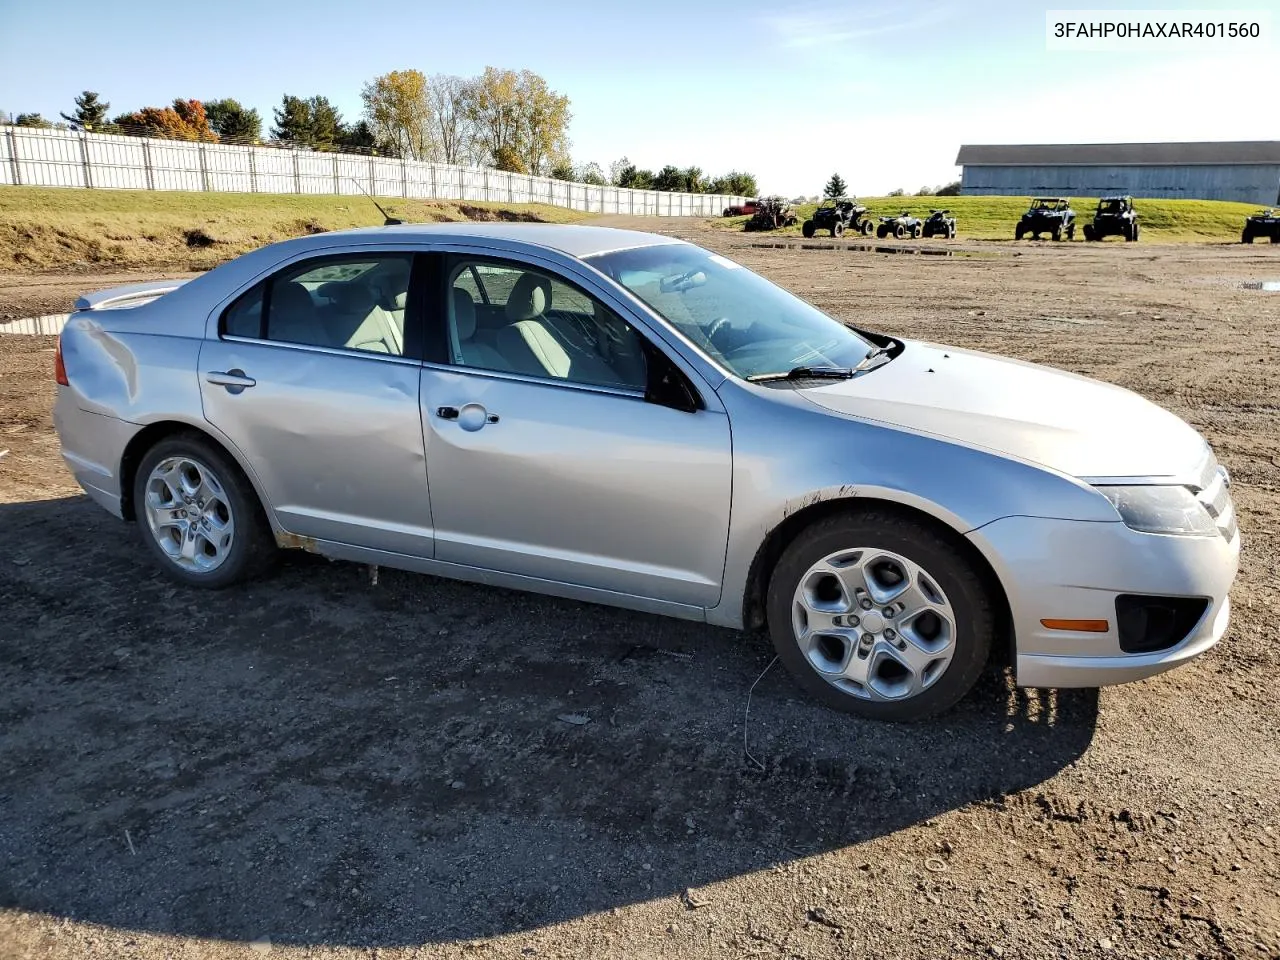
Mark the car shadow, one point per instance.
(314, 759)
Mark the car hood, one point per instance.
(1069, 423)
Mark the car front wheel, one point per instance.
(199, 515)
(879, 615)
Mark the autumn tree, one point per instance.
(90, 112)
(519, 115)
(508, 158)
(398, 109)
(185, 120)
(232, 122)
(836, 187)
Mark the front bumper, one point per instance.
(1074, 570)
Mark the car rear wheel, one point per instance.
(199, 515)
(866, 228)
(808, 228)
(878, 614)
(837, 229)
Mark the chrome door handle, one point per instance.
(470, 416)
(230, 379)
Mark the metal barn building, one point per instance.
(1247, 171)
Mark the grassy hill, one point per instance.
(52, 228)
(993, 218)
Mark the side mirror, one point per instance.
(667, 386)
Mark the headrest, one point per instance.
(352, 297)
(530, 298)
(464, 314)
(400, 300)
(291, 298)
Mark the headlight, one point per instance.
(1154, 509)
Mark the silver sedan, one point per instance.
(629, 419)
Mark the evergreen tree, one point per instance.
(232, 122)
(836, 187)
(90, 113)
(292, 120)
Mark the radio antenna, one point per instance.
(388, 220)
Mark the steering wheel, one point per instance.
(717, 325)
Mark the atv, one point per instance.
(1051, 215)
(1114, 216)
(1264, 223)
(772, 213)
(940, 224)
(903, 225)
(839, 214)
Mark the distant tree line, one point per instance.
(507, 119)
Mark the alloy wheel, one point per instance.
(874, 624)
(189, 514)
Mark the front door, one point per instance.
(309, 378)
(544, 458)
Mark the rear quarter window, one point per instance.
(244, 317)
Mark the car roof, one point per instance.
(576, 240)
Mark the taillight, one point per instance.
(60, 368)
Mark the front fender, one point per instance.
(789, 455)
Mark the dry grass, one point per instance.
(63, 228)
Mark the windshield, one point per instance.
(737, 317)
(1111, 206)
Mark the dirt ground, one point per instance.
(314, 766)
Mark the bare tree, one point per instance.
(448, 98)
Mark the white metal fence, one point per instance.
(66, 158)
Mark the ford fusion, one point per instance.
(629, 419)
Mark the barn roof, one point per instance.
(1120, 154)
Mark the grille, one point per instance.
(1215, 495)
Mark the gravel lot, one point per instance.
(315, 766)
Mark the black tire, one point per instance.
(253, 548)
(1246, 237)
(1275, 238)
(808, 228)
(951, 233)
(1057, 233)
(927, 233)
(867, 227)
(1090, 232)
(915, 232)
(932, 549)
(1018, 232)
(882, 231)
(1071, 232)
(899, 231)
(837, 229)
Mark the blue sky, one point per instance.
(884, 92)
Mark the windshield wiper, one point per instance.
(805, 373)
(876, 354)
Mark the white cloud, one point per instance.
(820, 26)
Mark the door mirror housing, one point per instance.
(667, 385)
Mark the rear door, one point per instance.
(314, 376)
